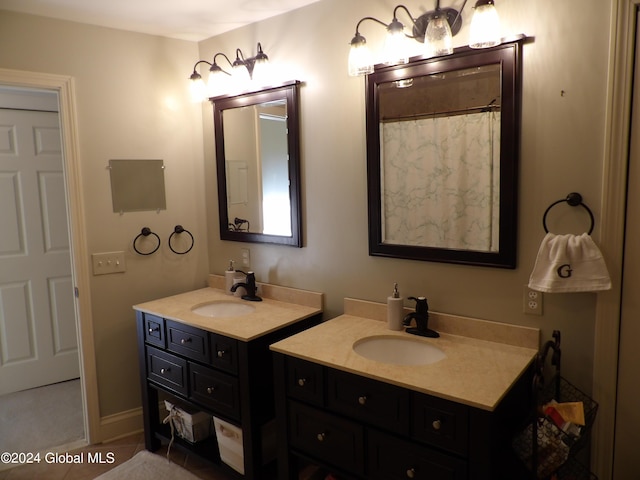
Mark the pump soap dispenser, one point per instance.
(395, 310)
(229, 277)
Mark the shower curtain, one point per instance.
(440, 181)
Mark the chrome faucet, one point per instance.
(421, 316)
(250, 286)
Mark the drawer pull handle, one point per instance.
(221, 353)
(154, 329)
(185, 340)
(210, 390)
(302, 381)
(411, 473)
(320, 437)
(164, 370)
(437, 424)
(362, 400)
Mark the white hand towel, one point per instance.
(569, 263)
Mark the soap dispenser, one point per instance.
(229, 278)
(395, 309)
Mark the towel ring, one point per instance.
(146, 231)
(574, 199)
(178, 230)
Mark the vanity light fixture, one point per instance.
(435, 29)
(244, 72)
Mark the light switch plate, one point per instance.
(108, 262)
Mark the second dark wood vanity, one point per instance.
(361, 419)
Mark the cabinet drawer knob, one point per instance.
(320, 437)
(437, 424)
(221, 353)
(154, 329)
(411, 473)
(210, 390)
(185, 340)
(165, 370)
(362, 400)
(302, 381)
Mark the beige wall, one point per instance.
(132, 102)
(562, 151)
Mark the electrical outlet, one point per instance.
(109, 262)
(532, 301)
(246, 257)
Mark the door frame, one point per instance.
(613, 204)
(80, 268)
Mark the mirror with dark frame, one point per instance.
(442, 157)
(258, 165)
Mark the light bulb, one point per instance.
(396, 46)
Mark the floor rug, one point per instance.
(147, 466)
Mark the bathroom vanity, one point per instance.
(218, 362)
(362, 418)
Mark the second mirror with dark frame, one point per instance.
(442, 157)
(258, 165)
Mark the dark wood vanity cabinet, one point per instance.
(361, 428)
(211, 373)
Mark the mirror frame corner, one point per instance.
(290, 92)
(509, 55)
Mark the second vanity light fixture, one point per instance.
(244, 73)
(435, 29)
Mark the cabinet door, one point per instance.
(225, 353)
(441, 423)
(215, 390)
(332, 440)
(305, 381)
(376, 403)
(154, 330)
(167, 370)
(391, 458)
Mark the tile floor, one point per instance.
(122, 450)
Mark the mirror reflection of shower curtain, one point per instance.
(440, 181)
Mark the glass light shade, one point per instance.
(262, 72)
(438, 39)
(197, 90)
(396, 46)
(360, 58)
(240, 78)
(484, 31)
(218, 83)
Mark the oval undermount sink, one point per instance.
(222, 309)
(398, 350)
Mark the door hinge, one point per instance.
(76, 292)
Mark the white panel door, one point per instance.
(38, 341)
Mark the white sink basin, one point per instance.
(398, 350)
(222, 309)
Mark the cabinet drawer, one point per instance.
(188, 341)
(391, 458)
(154, 330)
(441, 423)
(225, 353)
(337, 442)
(305, 381)
(167, 370)
(216, 390)
(376, 403)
